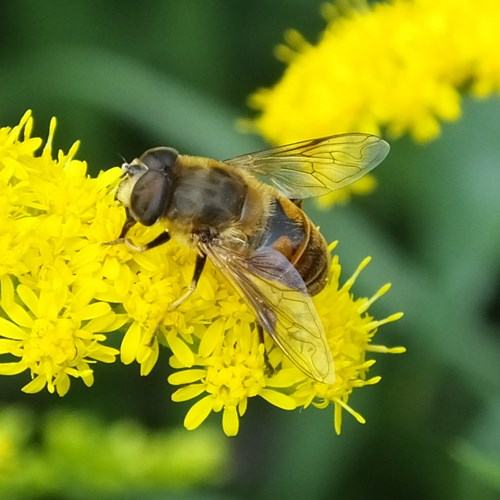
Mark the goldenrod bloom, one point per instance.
(62, 289)
(229, 365)
(51, 269)
(397, 66)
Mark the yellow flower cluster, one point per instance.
(62, 290)
(397, 66)
(230, 368)
(51, 218)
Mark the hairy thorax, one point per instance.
(212, 198)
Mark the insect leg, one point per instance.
(198, 269)
(129, 222)
(159, 240)
(269, 368)
(127, 225)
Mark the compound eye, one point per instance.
(150, 196)
(161, 159)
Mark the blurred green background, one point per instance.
(125, 76)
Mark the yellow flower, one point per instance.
(52, 318)
(62, 290)
(350, 331)
(397, 65)
(229, 362)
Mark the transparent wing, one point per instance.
(275, 291)
(318, 166)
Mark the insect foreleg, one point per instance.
(159, 240)
(129, 222)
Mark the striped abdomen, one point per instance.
(293, 234)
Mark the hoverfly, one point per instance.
(256, 234)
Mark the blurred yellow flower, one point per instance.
(60, 452)
(62, 290)
(397, 66)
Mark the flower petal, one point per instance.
(278, 399)
(198, 413)
(11, 330)
(230, 421)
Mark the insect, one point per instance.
(256, 234)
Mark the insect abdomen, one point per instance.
(313, 261)
(292, 233)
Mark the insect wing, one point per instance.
(318, 166)
(275, 291)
